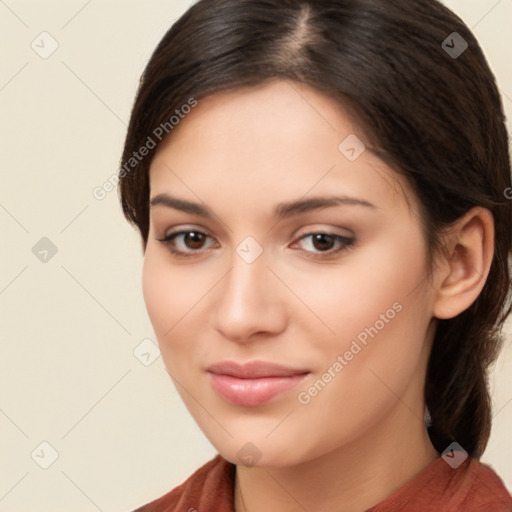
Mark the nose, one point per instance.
(250, 302)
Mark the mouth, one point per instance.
(254, 383)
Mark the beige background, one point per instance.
(70, 325)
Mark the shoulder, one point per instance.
(470, 487)
(485, 491)
(209, 488)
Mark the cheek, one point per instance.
(363, 295)
(167, 295)
(176, 302)
(378, 308)
(380, 313)
(154, 287)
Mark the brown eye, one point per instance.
(194, 240)
(324, 244)
(185, 243)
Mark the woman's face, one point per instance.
(337, 295)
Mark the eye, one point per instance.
(324, 244)
(189, 243)
(180, 241)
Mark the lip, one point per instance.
(253, 383)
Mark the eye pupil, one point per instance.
(196, 239)
(324, 244)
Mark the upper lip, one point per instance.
(253, 369)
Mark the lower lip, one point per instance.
(252, 392)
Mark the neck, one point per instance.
(352, 478)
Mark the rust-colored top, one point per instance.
(472, 487)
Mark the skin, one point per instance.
(240, 154)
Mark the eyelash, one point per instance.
(346, 243)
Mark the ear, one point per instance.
(461, 272)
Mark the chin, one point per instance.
(262, 452)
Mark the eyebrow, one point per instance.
(281, 211)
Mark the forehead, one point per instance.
(281, 138)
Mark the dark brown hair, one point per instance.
(433, 116)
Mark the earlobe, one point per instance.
(465, 268)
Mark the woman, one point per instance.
(320, 187)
